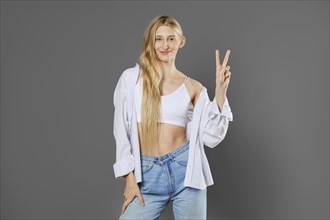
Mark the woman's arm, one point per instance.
(124, 158)
(124, 165)
(214, 124)
(217, 114)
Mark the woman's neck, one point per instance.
(169, 70)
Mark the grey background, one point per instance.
(60, 62)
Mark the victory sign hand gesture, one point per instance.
(222, 77)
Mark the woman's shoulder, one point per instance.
(194, 87)
(195, 84)
(130, 73)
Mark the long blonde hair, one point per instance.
(152, 76)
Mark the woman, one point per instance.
(162, 120)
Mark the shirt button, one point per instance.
(161, 159)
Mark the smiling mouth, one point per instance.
(164, 52)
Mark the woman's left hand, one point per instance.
(222, 78)
(222, 74)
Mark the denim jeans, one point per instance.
(162, 182)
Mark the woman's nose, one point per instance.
(165, 45)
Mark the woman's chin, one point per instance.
(165, 60)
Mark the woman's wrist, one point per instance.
(129, 177)
(220, 97)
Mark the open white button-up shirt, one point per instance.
(207, 126)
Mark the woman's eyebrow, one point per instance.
(168, 35)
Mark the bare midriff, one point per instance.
(170, 137)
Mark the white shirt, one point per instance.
(206, 126)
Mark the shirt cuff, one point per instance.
(124, 166)
(225, 110)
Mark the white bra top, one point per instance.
(175, 107)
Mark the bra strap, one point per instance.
(186, 79)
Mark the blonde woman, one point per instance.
(162, 120)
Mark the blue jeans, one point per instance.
(162, 182)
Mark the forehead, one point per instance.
(165, 31)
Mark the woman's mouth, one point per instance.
(164, 52)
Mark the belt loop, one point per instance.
(172, 158)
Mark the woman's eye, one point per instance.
(157, 38)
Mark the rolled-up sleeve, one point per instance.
(215, 123)
(124, 157)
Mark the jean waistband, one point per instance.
(170, 156)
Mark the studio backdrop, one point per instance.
(61, 60)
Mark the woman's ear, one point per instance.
(183, 42)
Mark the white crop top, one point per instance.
(175, 107)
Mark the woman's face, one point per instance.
(167, 43)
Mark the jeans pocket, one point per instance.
(182, 159)
(146, 165)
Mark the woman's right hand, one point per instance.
(131, 190)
